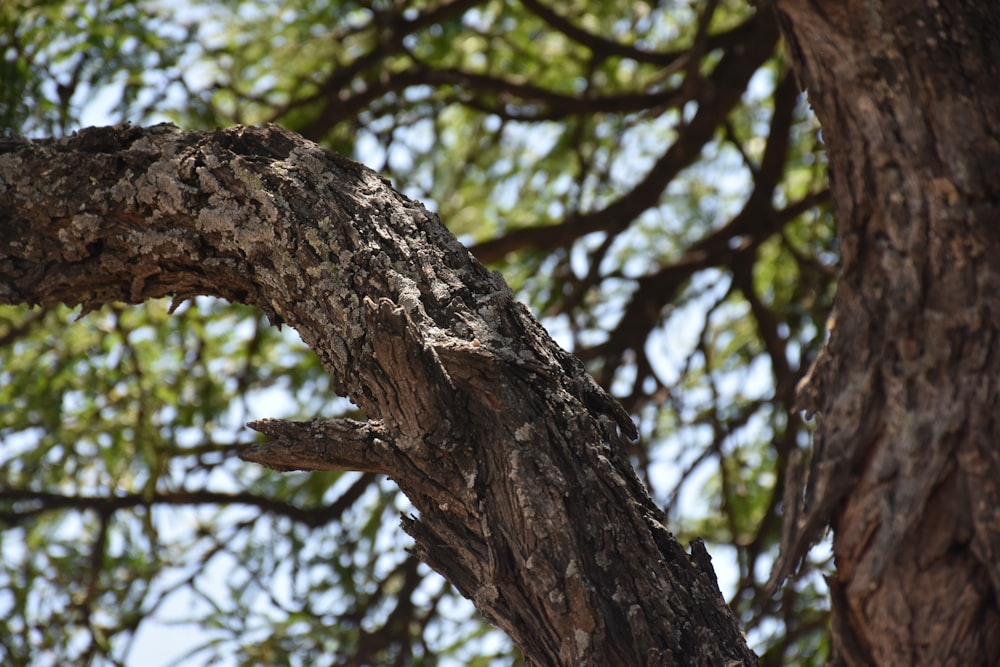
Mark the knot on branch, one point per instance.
(409, 383)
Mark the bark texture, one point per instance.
(906, 461)
(511, 453)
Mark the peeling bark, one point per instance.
(906, 466)
(511, 453)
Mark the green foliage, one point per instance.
(644, 174)
(122, 501)
(58, 54)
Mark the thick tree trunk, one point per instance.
(511, 453)
(906, 463)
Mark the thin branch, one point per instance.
(29, 504)
(722, 91)
(602, 47)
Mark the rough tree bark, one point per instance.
(906, 462)
(511, 453)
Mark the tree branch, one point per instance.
(512, 454)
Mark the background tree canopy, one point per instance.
(646, 176)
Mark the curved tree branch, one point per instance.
(509, 450)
